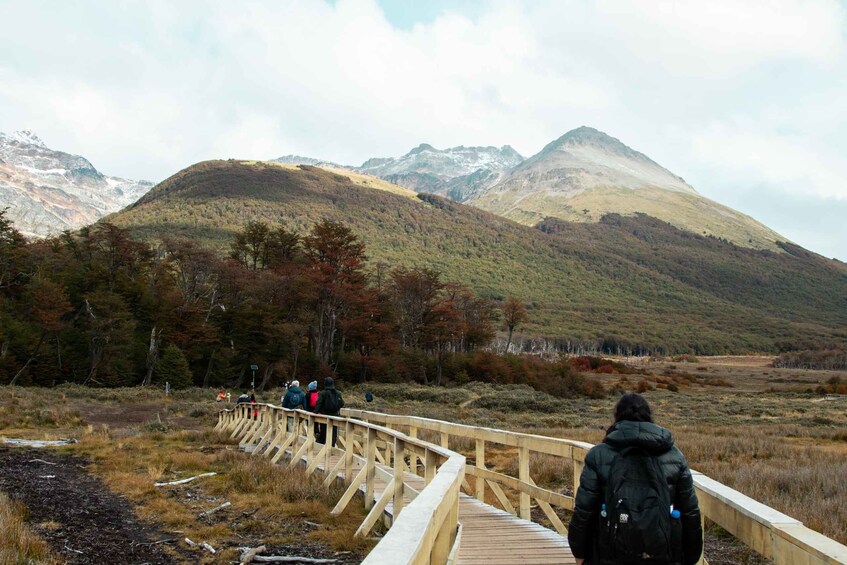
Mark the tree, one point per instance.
(514, 314)
(336, 259)
(49, 304)
(173, 368)
(250, 247)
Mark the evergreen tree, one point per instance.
(173, 368)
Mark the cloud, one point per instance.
(734, 96)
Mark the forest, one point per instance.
(98, 308)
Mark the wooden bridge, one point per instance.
(439, 509)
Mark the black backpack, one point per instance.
(635, 520)
(333, 403)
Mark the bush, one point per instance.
(173, 368)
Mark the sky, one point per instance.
(745, 100)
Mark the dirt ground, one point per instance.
(81, 519)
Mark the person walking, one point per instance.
(294, 397)
(330, 403)
(636, 502)
(312, 396)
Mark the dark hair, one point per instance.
(633, 407)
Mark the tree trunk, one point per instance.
(152, 355)
(269, 369)
(208, 374)
(509, 342)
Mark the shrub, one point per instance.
(173, 368)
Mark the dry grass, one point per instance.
(18, 543)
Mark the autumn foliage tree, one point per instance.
(514, 314)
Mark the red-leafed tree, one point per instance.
(336, 258)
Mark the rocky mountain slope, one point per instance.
(48, 191)
(458, 172)
(586, 174)
(632, 282)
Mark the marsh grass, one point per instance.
(18, 543)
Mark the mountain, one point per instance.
(586, 174)
(300, 160)
(633, 282)
(48, 191)
(458, 172)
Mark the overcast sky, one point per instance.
(745, 100)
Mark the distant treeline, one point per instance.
(832, 358)
(99, 308)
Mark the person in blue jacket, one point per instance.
(294, 397)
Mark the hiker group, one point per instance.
(328, 401)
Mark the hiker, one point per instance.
(253, 403)
(312, 396)
(330, 403)
(294, 397)
(221, 395)
(312, 403)
(242, 399)
(636, 501)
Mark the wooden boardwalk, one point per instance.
(490, 536)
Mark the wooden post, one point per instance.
(577, 471)
(479, 490)
(370, 462)
(399, 468)
(349, 446)
(430, 461)
(523, 474)
(330, 430)
(445, 440)
(413, 458)
(444, 539)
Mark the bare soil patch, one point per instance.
(75, 513)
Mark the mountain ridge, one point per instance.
(626, 281)
(48, 191)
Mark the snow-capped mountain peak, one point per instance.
(48, 191)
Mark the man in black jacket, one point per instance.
(329, 403)
(634, 428)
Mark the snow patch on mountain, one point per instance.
(48, 191)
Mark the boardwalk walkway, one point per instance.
(490, 536)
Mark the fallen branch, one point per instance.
(41, 461)
(203, 544)
(249, 554)
(213, 510)
(183, 481)
(292, 559)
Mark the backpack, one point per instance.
(294, 400)
(635, 520)
(312, 400)
(333, 402)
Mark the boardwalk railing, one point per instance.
(426, 530)
(768, 532)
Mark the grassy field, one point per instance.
(133, 438)
(760, 430)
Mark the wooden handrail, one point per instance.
(424, 530)
(770, 533)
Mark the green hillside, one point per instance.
(629, 281)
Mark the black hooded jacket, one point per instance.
(658, 442)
